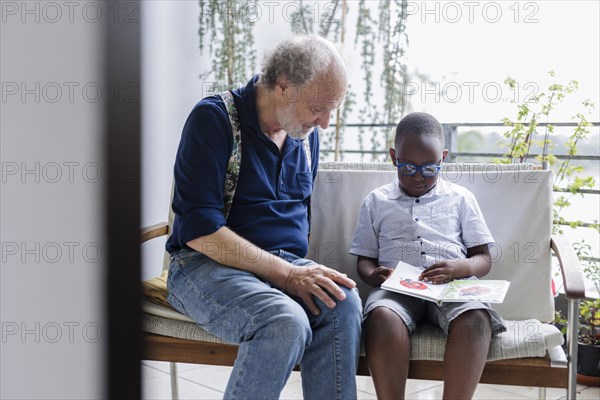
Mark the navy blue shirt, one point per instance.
(270, 204)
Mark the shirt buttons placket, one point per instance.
(416, 209)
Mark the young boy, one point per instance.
(435, 225)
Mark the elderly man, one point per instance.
(244, 174)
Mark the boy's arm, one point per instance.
(478, 263)
(370, 271)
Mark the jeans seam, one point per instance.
(210, 300)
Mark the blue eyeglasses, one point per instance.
(427, 170)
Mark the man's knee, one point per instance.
(351, 306)
(287, 325)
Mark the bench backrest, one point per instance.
(516, 202)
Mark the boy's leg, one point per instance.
(388, 351)
(466, 352)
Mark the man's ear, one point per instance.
(393, 155)
(444, 154)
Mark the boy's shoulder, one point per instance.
(382, 194)
(454, 189)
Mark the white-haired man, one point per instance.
(241, 228)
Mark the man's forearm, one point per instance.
(228, 248)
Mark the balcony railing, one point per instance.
(451, 137)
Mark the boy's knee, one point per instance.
(471, 325)
(385, 323)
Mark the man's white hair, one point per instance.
(300, 60)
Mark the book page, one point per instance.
(405, 279)
(489, 291)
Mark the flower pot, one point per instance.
(588, 364)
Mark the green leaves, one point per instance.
(524, 134)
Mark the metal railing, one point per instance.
(451, 136)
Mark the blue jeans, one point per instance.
(275, 331)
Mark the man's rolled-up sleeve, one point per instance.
(200, 168)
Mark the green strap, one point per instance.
(235, 159)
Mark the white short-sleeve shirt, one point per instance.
(440, 225)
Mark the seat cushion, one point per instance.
(527, 338)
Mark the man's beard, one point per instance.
(286, 117)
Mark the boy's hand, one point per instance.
(379, 275)
(442, 272)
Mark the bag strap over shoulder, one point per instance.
(235, 159)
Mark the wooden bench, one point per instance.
(516, 201)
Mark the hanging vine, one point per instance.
(229, 25)
(382, 42)
(391, 32)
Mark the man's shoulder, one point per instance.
(212, 103)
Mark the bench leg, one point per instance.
(174, 385)
(572, 329)
(542, 393)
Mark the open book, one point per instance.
(405, 280)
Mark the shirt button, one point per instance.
(422, 253)
(416, 219)
(418, 237)
(417, 201)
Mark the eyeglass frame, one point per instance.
(419, 168)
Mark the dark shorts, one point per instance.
(413, 310)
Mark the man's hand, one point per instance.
(317, 280)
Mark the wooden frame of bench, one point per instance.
(537, 371)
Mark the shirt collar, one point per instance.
(396, 193)
(246, 103)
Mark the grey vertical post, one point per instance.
(451, 138)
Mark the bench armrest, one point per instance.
(569, 267)
(154, 231)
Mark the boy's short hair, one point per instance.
(421, 124)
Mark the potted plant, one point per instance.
(588, 350)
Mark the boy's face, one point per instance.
(418, 150)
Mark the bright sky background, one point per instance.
(560, 35)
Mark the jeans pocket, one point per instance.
(188, 257)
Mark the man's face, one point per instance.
(304, 108)
(418, 150)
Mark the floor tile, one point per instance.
(160, 388)
(149, 372)
(589, 393)
(418, 385)
(210, 376)
(209, 382)
(365, 396)
(164, 366)
(292, 390)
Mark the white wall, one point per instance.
(51, 286)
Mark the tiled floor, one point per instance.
(207, 382)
